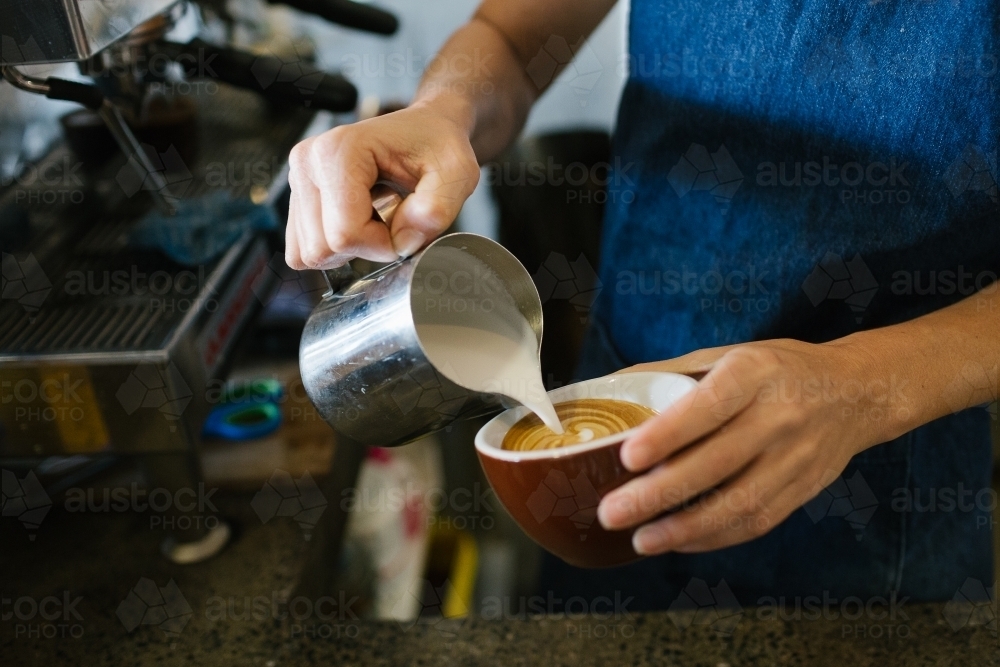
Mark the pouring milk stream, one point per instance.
(471, 329)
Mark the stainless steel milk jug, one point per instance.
(361, 360)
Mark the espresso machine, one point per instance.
(105, 347)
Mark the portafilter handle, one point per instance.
(385, 200)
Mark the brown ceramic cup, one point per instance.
(553, 493)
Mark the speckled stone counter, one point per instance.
(70, 598)
(653, 639)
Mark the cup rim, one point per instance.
(567, 393)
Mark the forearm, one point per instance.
(479, 78)
(477, 81)
(929, 367)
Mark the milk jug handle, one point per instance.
(385, 200)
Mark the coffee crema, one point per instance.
(583, 420)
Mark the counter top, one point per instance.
(86, 573)
(644, 639)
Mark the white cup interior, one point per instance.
(654, 390)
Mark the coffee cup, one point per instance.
(553, 494)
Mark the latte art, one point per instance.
(583, 420)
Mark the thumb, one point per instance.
(694, 363)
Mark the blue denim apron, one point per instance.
(806, 169)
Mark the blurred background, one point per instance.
(425, 534)
(155, 373)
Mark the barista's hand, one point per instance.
(767, 428)
(423, 149)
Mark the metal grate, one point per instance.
(85, 328)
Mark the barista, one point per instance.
(836, 152)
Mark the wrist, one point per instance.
(877, 388)
(438, 99)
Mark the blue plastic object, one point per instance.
(248, 410)
(202, 229)
(243, 421)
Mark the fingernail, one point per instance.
(407, 242)
(649, 540)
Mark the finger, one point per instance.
(350, 233)
(447, 179)
(313, 249)
(740, 529)
(344, 171)
(687, 475)
(745, 508)
(719, 396)
(307, 221)
(292, 257)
